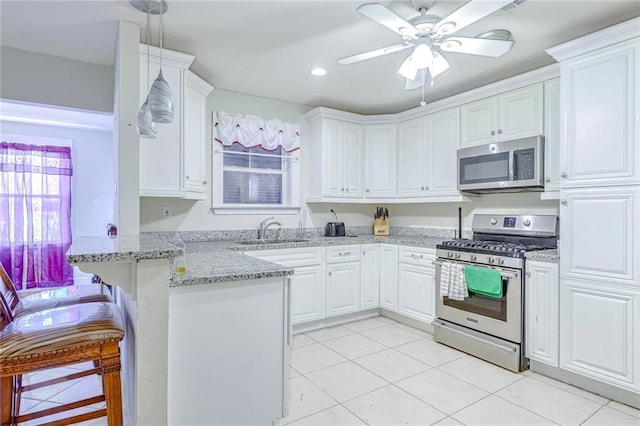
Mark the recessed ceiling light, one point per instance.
(318, 71)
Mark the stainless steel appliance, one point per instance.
(515, 165)
(488, 327)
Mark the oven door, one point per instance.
(497, 317)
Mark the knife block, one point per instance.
(381, 227)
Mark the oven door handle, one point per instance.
(505, 274)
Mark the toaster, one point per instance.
(334, 229)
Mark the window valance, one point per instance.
(251, 131)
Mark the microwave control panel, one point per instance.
(525, 164)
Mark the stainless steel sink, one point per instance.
(280, 241)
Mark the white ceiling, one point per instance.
(266, 48)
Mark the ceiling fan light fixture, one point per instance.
(422, 56)
(408, 69)
(438, 66)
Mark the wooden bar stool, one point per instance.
(35, 300)
(54, 338)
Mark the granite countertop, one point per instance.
(121, 248)
(224, 261)
(550, 255)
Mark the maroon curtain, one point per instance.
(35, 214)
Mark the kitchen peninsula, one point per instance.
(178, 338)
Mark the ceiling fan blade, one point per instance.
(467, 14)
(373, 54)
(417, 82)
(476, 46)
(383, 16)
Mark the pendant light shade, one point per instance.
(160, 96)
(146, 127)
(161, 100)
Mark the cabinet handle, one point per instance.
(187, 177)
(426, 188)
(563, 202)
(344, 253)
(347, 189)
(329, 274)
(415, 256)
(422, 188)
(493, 132)
(342, 189)
(528, 274)
(563, 175)
(499, 131)
(366, 190)
(204, 182)
(547, 179)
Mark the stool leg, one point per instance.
(6, 397)
(111, 382)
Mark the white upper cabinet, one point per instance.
(552, 135)
(427, 155)
(412, 158)
(336, 150)
(380, 161)
(443, 140)
(173, 163)
(510, 115)
(600, 234)
(601, 97)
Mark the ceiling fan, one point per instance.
(431, 35)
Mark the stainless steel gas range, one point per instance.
(490, 326)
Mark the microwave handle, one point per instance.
(512, 165)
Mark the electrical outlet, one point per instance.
(166, 212)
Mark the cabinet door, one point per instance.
(600, 234)
(541, 312)
(443, 140)
(520, 113)
(370, 276)
(416, 292)
(600, 96)
(380, 161)
(160, 158)
(552, 135)
(479, 121)
(343, 288)
(194, 137)
(599, 332)
(308, 294)
(412, 149)
(352, 153)
(389, 277)
(332, 158)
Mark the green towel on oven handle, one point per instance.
(484, 281)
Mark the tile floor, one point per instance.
(380, 372)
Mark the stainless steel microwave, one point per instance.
(515, 165)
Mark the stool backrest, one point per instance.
(8, 291)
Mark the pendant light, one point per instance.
(160, 96)
(146, 127)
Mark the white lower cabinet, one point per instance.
(343, 288)
(599, 332)
(417, 284)
(308, 294)
(541, 312)
(369, 276)
(389, 277)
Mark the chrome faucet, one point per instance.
(265, 224)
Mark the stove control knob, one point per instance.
(501, 261)
(457, 255)
(491, 259)
(526, 222)
(494, 221)
(449, 254)
(473, 257)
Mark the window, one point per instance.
(251, 173)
